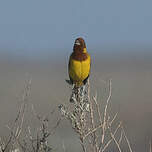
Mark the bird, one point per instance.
(79, 63)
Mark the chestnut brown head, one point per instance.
(79, 45)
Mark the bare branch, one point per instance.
(113, 137)
(93, 130)
(97, 106)
(120, 139)
(108, 143)
(128, 143)
(115, 116)
(94, 136)
(105, 112)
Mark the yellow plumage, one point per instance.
(79, 70)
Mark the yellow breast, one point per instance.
(79, 70)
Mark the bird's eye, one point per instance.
(77, 42)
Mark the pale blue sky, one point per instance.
(50, 24)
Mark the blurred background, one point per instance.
(36, 39)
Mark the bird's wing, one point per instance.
(69, 68)
(85, 80)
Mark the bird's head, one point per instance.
(79, 45)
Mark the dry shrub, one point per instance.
(21, 138)
(96, 129)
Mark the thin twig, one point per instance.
(128, 143)
(105, 112)
(115, 116)
(92, 121)
(63, 146)
(150, 147)
(7, 143)
(120, 139)
(97, 107)
(83, 145)
(113, 137)
(93, 130)
(108, 143)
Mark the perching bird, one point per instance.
(79, 63)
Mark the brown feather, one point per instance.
(79, 56)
